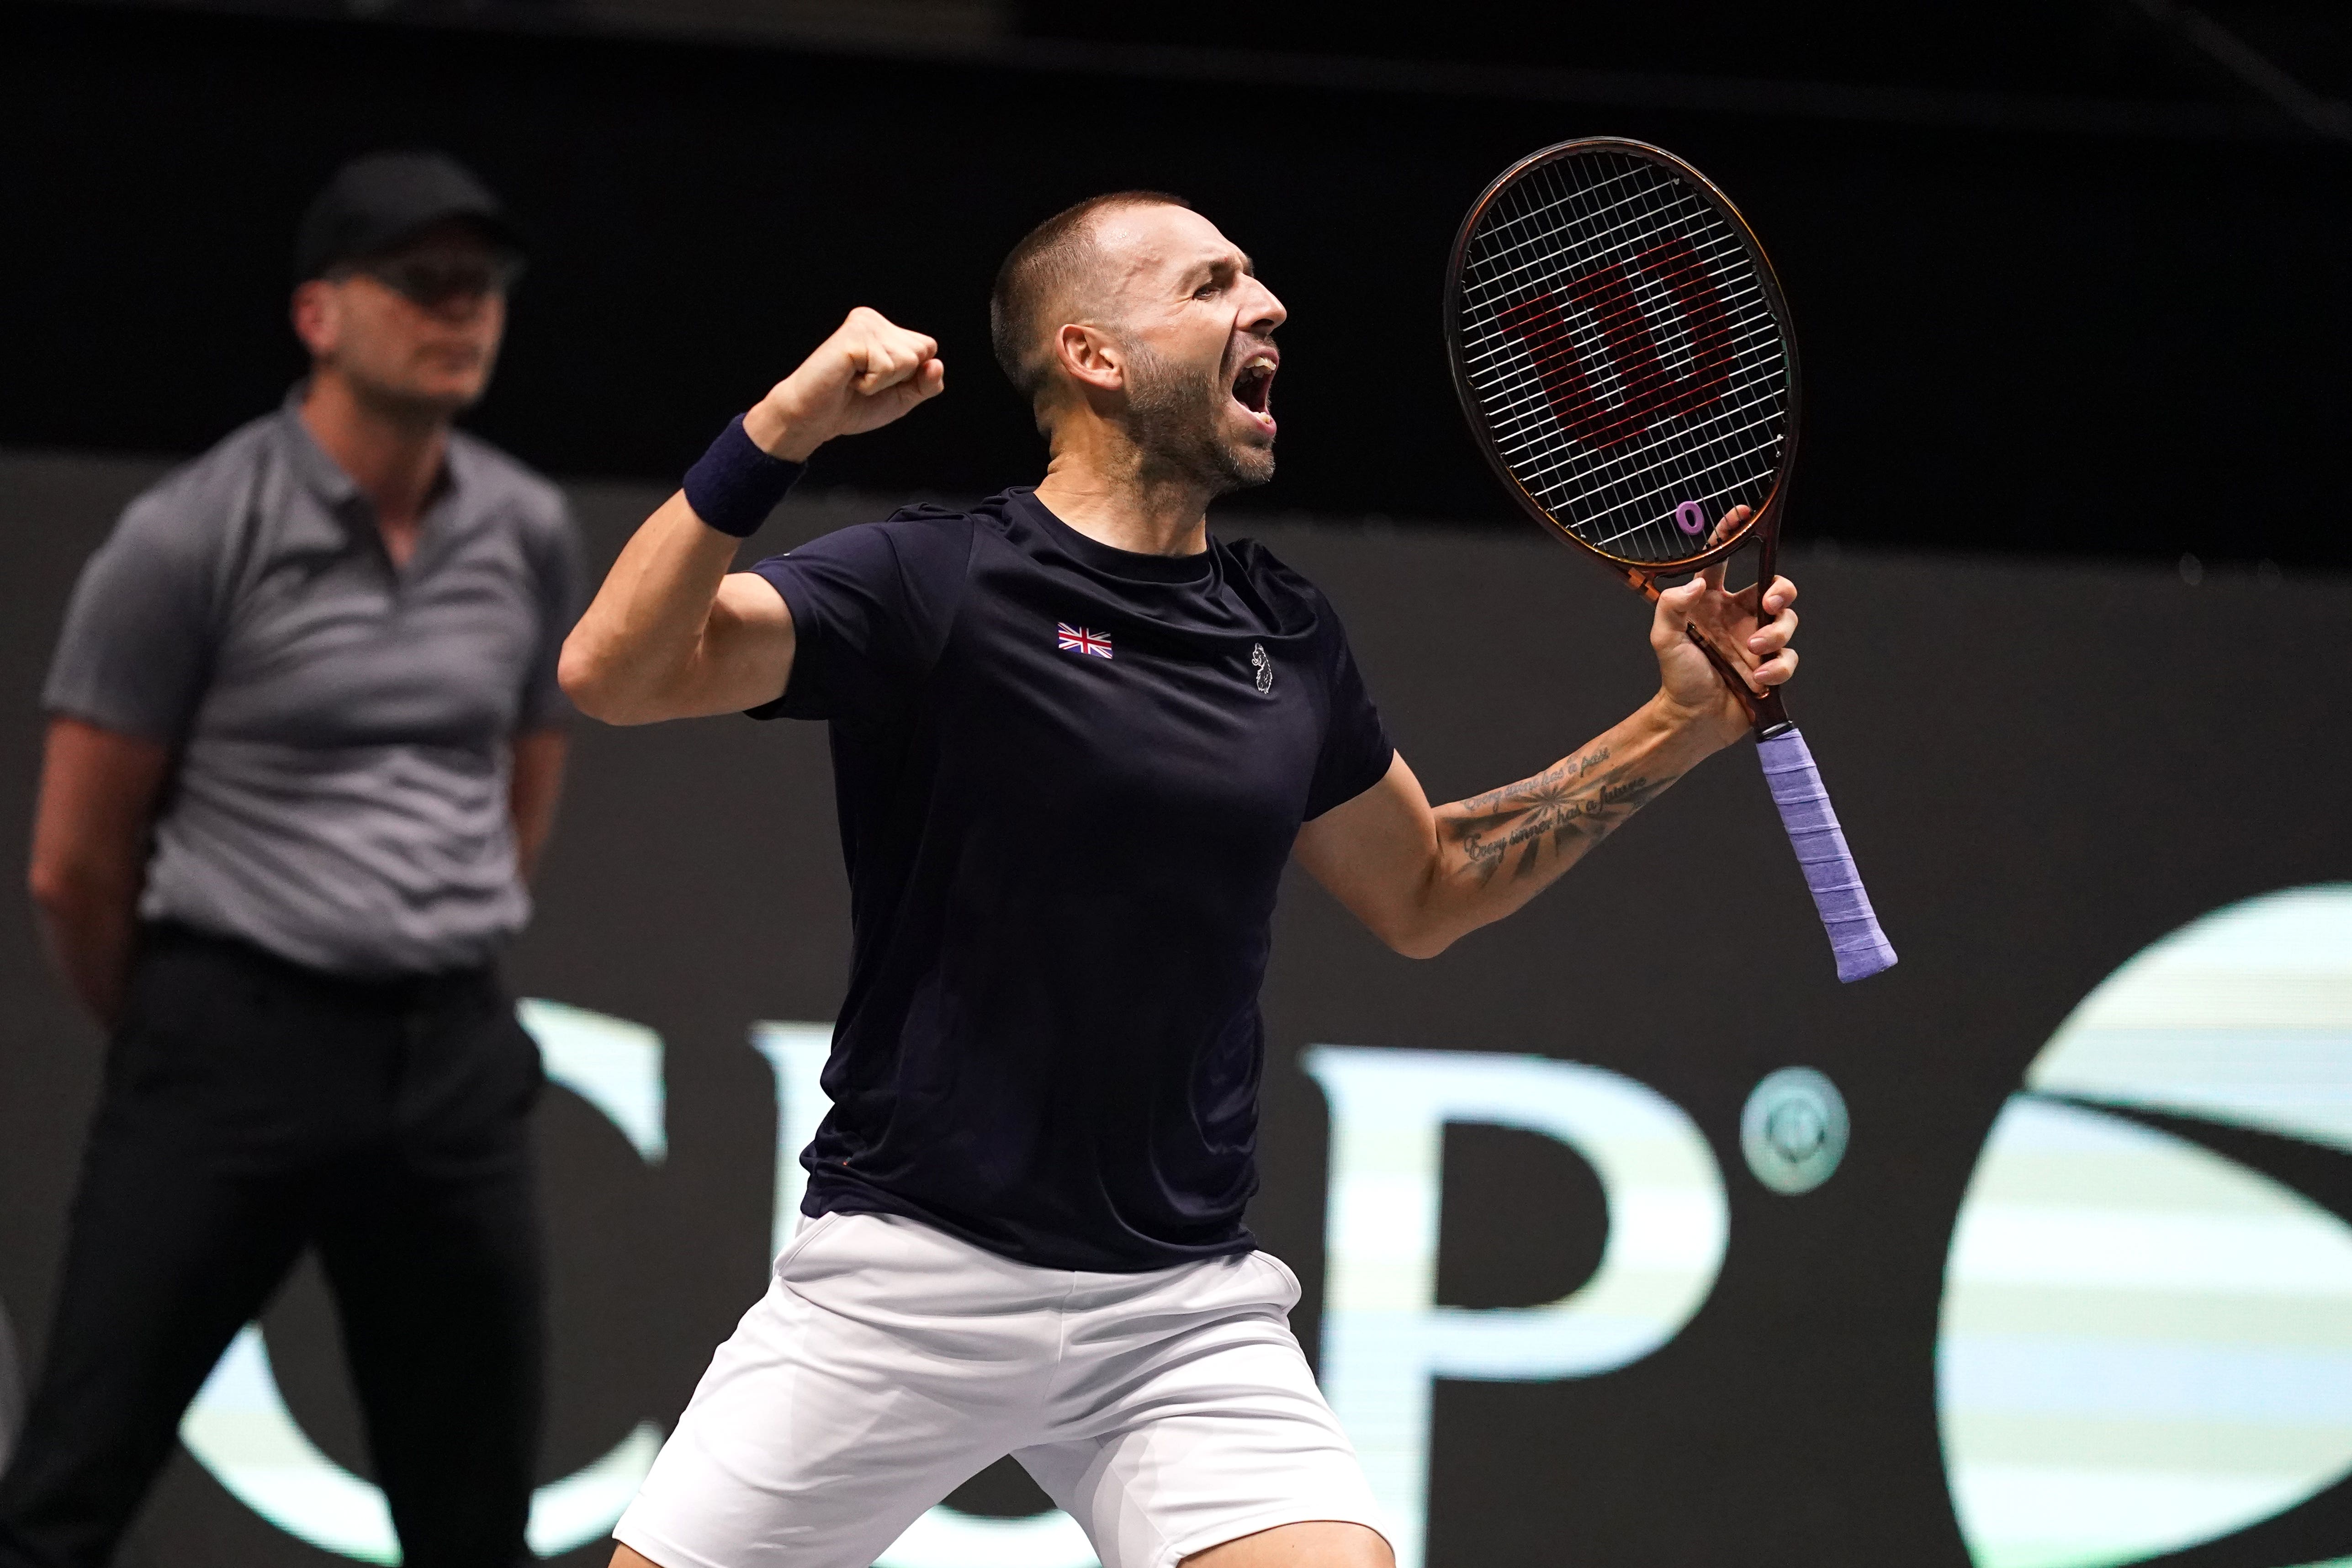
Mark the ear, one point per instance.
(1089, 356)
(315, 310)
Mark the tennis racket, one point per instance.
(1626, 358)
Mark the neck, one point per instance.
(393, 453)
(1111, 491)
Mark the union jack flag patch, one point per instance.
(1077, 640)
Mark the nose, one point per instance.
(1261, 312)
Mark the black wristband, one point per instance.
(736, 485)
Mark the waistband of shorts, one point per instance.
(929, 1234)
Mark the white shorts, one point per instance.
(888, 1362)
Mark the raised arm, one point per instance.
(672, 634)
(1421, 877)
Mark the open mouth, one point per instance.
(1254, 385)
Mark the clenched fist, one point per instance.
(864, 376)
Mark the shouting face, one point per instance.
(1194, 338)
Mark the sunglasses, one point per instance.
(433, 281)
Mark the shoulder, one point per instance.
(1263, 565)
(924, 528)
(920, 540)
(873, 596)
(184, 518)
(1284, 589)
(512, 488)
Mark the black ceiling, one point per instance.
(2068, 277)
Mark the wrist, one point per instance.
(736, 484)
(1708, 728)
(778, 434)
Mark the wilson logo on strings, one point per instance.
(1607, 302)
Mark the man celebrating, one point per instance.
(303, 749)
(1075, 739)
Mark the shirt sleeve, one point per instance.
(560, 574)
(1356, 746)
(137, 645)
(871, 608)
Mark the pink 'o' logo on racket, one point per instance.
(1647, 394)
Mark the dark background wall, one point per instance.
(2042, 769)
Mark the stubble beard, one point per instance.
(1171, 417)
(401, 393)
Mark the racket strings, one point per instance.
(1626, 304)
(1613, 304)
(1568, 236)
(1656, 375)
(1614, 329)
(1633, 212)
(1606, 425)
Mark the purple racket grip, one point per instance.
(1860, 947)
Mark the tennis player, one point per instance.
(1075, 739)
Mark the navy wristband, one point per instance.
(736, 485)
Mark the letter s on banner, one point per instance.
(1385, 1337)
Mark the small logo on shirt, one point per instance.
(1078, 640)
(1264, 667)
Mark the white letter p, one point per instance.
(1385, 1337)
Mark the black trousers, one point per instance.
(253, 1108)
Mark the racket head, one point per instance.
(1620, 347)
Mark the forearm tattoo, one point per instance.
(1577, 798)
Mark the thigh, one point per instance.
(467, 1077)
(1191, 1418)
(1310, 1543)
(439, 1282)
(885, 1365)
(181, 1230)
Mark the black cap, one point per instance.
(374, 203)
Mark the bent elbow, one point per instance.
(576, 672)
(587, 681)
(62, 887)
(46, 887)
(1415, 939)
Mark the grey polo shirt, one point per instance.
(340, 797)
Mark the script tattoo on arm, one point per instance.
(1570, 806)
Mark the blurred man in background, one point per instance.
(302, 754)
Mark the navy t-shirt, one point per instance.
(1068, 779)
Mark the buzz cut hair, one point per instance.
(1041, 272)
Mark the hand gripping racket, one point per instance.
(1623, 353)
